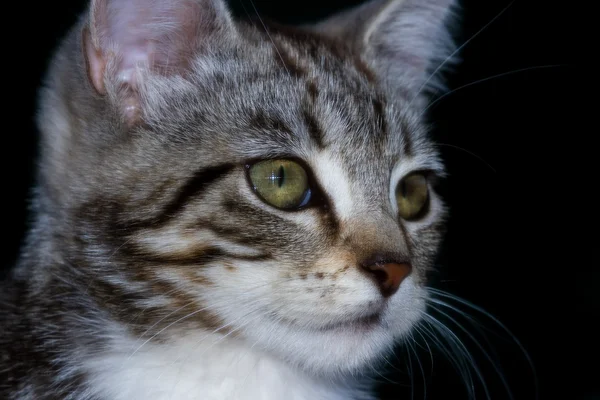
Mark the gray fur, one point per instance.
(106, 183)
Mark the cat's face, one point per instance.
(278, 191)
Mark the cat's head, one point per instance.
(273, 184)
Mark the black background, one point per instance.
(503, 139)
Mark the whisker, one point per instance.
(395, 368)
(483, 351)
(164, 329)
(270, 38)
(482, 80)
(469, 152)
(458, 49)
(462, 365)
(162, 319)
(248, 14)
(478, 326)
(420, 365)
(411, 374)
(472, 306)
(417, 329)
(383, 376)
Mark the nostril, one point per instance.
(388, 275)
(381, 276)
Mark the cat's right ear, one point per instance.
(400, 39)
(125, 41)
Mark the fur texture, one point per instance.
(153, 270)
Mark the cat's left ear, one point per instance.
(125, 40)
(402, 40)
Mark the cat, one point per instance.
(226, 209)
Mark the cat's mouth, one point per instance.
(363, 323)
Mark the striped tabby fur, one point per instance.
(153, 271)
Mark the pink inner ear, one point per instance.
(152, 33)
(95, 63)
(160, 35)
(125, 36)
(133, 28)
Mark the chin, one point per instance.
(350, 347)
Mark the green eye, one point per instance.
(412, 194)
(280, 183)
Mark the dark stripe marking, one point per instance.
(312, 89)
(378, 108)
(262, 121)
(406, 139)
(195, 257)
(314, 130)
(288, 62)
(192, 188)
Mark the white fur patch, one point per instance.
(178, 241)
(203, 367)
(335, 182)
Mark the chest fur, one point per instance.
(204, 368)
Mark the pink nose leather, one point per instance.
(388, 276)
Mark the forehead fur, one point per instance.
(286, 93)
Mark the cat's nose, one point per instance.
(387, 275)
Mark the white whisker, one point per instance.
(482, 80)
(164, 329)
(417, 329)
(437, 292)
(270, 38)
(458, 49)
(465, 363)
(413, 349)
(483, 351)
(468, 152)
(161, 319)
(411, 374)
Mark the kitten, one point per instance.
(226, 211)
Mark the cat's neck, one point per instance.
(205, 366)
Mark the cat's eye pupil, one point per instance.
(281, 175)
(403, 188)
